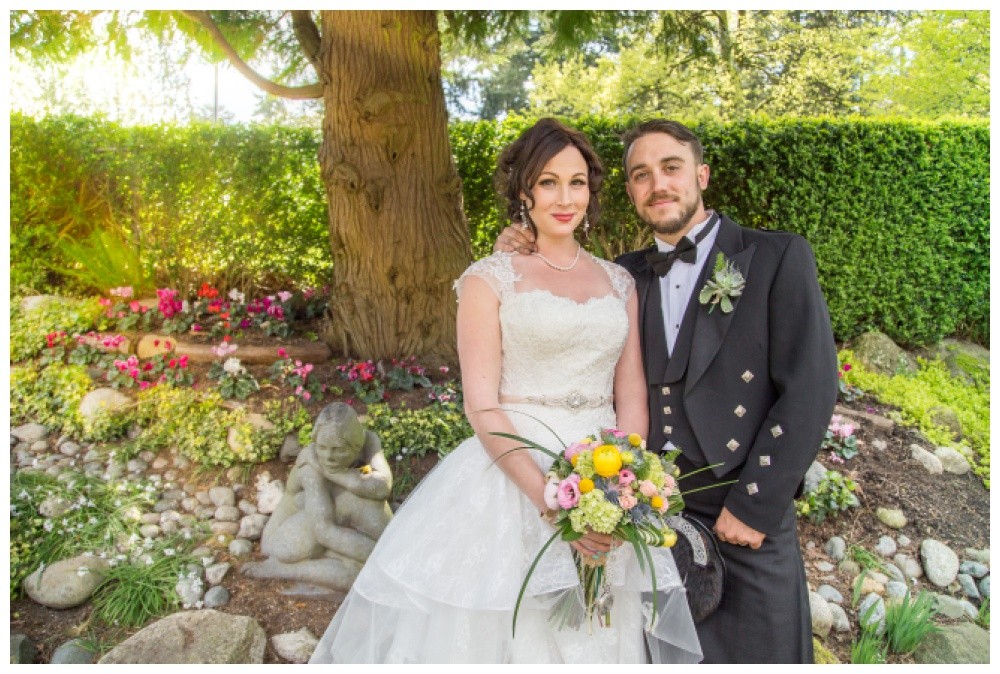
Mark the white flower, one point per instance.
(47, 525)
(237, 296)
(232, 366)
(169, 552)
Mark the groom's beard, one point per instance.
(676, 224)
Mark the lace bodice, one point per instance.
(553, 345)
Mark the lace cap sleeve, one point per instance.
(497, 270)
(621, 280)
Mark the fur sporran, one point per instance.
(701, 567)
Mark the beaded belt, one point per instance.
(574, 400)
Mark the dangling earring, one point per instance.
(524, 216)
(586, 224)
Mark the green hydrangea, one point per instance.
(585, 464)
(655, 473)
(595, 512)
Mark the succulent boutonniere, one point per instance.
(726, 284)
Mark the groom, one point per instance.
(743, 379)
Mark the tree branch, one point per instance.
(273, 88)
(308, 36)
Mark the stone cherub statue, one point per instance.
(333, 509)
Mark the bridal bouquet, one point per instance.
(608, 483)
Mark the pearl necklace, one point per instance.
(557, 267)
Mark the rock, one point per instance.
(53, 506)
(872, 612)
(227, 513)
(246, 507)
(222, 496)
(169, 527)
(879, 445)
(224, 528)
(878, 353)
(22, 650)
(295, 647)
(190, 588)
(909, 566)
(891, 517)
(102, 400)
(136, 465)
(841, 623)
(290, 448)
(870, 585)
(981, 556)
(160, 462)
(813, 477)
(73, 652)
(235, 438)
(945, 417)
(252, 526)
(824, 567)
(952, 460)
(30, 433)
(836, 547)
(189, 504)
(968, 586)
(269, 493)
(216, 596)
(194, 637)
(940, 562)
(894, 572)
(895, 591)
(822, 617)
(948, 606)
(849, 567)
(152, 345)
(903, 540)
(240, 547)
(147, 455)
(164, 506)
(216, 572)
(830, 593)
(929, 461)
(204, 498)
(69, 448)
(974, 569)
(66, 583)
(984, 588)
(149, 530)
(962, 643)
(886, 546)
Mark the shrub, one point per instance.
(28, 329)
(437, 428)
(50, 397)
(908, 621)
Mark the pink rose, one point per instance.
(625, 477)
(647, 488)
(569, 492)
(627, 501)
(669, 482)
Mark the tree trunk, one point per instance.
(397, 232)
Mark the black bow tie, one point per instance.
(686, 251)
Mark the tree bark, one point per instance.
(397, 231)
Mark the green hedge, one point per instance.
(896, 211)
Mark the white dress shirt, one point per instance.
(676, 287)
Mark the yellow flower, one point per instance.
(656, 502)
(627, 457)
(586, 485)
(669, 538)
(607, 460)
(573, 459)
(634, 439)
(365, 470)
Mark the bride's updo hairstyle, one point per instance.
(522, 162)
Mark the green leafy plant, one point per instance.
(404, 374)
(908, 621)
(28, 329)
(295, 374)
(50, 397)
(103, 260)
(840, 439)
(234, 380)
(865, 558)
(932, 387)
(833, 495)
(143, 588)
(96, 516)
(868, 649)
(983, 618)
(289, 416)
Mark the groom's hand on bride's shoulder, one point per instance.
(733, 531)
(514, 239)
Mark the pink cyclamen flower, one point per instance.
(306, 395)
(143, 385)
(627, 501)
(846, 431)
(847, 367)
(647, 489)
(625, 477)
(569, 493)
(282, 353)
(284, 295)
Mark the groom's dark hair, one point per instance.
(668, 126)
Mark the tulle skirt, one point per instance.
(442, 582)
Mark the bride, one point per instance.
(552, 338)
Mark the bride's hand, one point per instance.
(594, 547)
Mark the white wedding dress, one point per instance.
(442, 582)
